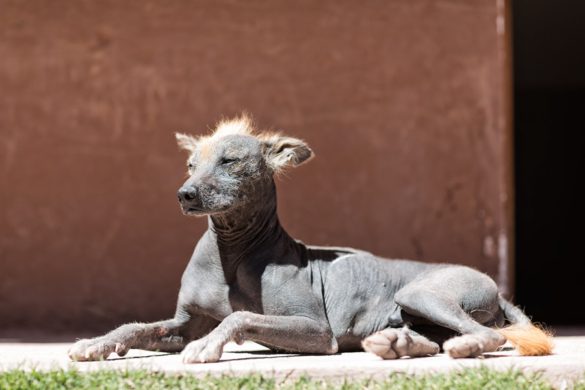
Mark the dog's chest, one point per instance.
(273, 290)
(243, 297)
(270, 289)
(246, 292)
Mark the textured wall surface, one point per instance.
(404, 103)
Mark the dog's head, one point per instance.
(226, 167)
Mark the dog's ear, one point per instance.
(186, 142)
(281, 152)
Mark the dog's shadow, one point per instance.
(268, 354)
(258, 354)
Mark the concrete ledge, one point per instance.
(566, 365)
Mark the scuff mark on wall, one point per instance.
(503, 264)
(489, 246)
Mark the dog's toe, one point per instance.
(464, 346)
(392, 343)
(204, 350)
(388, 343)
(91, 350)
(380, 345)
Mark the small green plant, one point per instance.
(480, 378)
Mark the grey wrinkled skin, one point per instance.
(249, 280)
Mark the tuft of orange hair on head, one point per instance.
(529, 340)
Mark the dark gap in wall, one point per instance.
(549, 99)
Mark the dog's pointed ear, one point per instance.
(281, 152)
(186, 141)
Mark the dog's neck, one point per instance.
(248, 228)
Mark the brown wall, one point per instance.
(403, 102)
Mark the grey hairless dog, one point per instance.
(249, 280)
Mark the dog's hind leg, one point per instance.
(441, 298)
(394, 343)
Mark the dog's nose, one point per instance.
(186, 193)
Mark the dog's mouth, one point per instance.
(190, 210)
(193, 211)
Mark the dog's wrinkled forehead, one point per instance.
(229, 146)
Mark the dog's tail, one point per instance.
(529, 339)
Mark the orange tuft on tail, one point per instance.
(529, 339)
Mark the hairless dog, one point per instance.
(249, 280)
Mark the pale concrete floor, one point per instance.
(565, 366)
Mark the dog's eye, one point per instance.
(229, 160)
(190, 165)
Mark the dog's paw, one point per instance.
(465, 346)
(95, 349)
(205, 350)
(395, 343)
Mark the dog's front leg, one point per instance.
(290, 333)
(165, 336)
